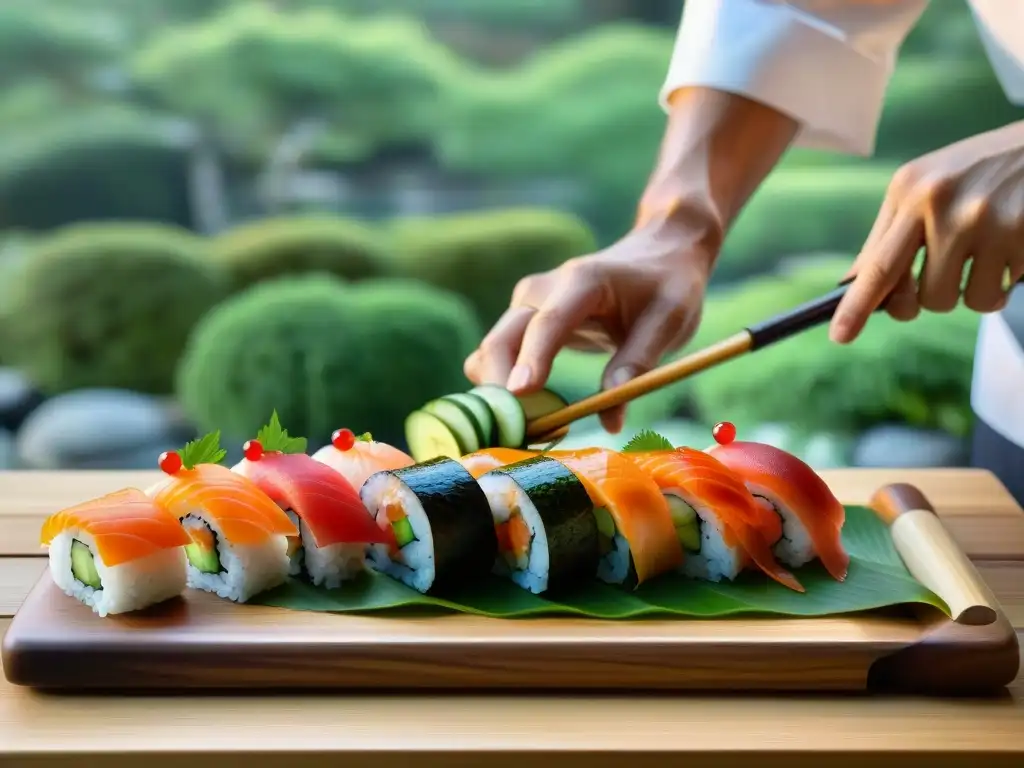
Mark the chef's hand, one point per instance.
(961, 203)
(639, 298)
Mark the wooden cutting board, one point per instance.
(202, 642)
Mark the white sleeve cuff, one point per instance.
(775, 55)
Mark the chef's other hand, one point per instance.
(639, 298)
(963, 203)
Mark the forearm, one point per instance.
(717, 149)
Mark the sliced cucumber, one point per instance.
(508, 414)
(481, 415)
(459, 420)
(537, 404)
(429, 437)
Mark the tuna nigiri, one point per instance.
(812, 517)
(118, 553)
(239, 535)
(721, 526)
(637, 538)
(483, 461)
(334, 525)
(356, 458)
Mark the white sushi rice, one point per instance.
(716, 559)
(500, 491)
(326, 566)
(245, 570)
(125, 587)
(613, 567)
(795, 548)
(416, 567)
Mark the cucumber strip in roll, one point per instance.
(479, 413)
(429, 437)
(460, 422)
(537, 404)
(442, 523)
(509, 415)
(547, 532)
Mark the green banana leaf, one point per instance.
(877, 579)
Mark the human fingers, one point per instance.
(492, 361)
(948, 246)
(879, 274)
(668, 321)
(986, 291)
(902, 304)
(572, 300)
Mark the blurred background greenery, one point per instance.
(213, 208)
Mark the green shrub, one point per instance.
(918, 373)
(96, 167)
(109, 306)
(325, 355)
(482, 256)
(804, 210)
(280, 247)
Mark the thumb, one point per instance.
(665, 324)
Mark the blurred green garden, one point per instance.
(210, 209)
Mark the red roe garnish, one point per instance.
(170, 462)
(724, 432)
(343, 439)
(253, 450)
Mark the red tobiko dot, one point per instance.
(724, 432)
(343, 439)
(170, 462)
(253, 450)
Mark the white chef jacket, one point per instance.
(827, 64)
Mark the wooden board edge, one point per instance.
(973, 659)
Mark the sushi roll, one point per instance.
(812, 518)
(441, 520)
(334, 526)
(544, 519)
(357, 457)
(720, 525)
(119, 553)
(637, 539)
(483, 461)
(239, 544)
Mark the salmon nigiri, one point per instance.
(239, 535)
(637, 538)
(721, 526)
(334, 525)
(358, 457)
(118, 553)
(483, 461)
(812, 517)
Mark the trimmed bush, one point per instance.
(804, 210)
(325, 355)
(109, 306)
(482, 256)
(279, 247)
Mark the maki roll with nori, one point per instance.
(444, 532)
(547, 532)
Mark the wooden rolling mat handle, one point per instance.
(932, 556)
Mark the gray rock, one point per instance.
(99, 428)
(896, 445)
(18, 398)
(8, 455)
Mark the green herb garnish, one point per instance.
(204, 450)
(275, 438)
(647, 440)
(366, 437)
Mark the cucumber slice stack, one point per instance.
(487, 416)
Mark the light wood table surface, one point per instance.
(500, 730)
